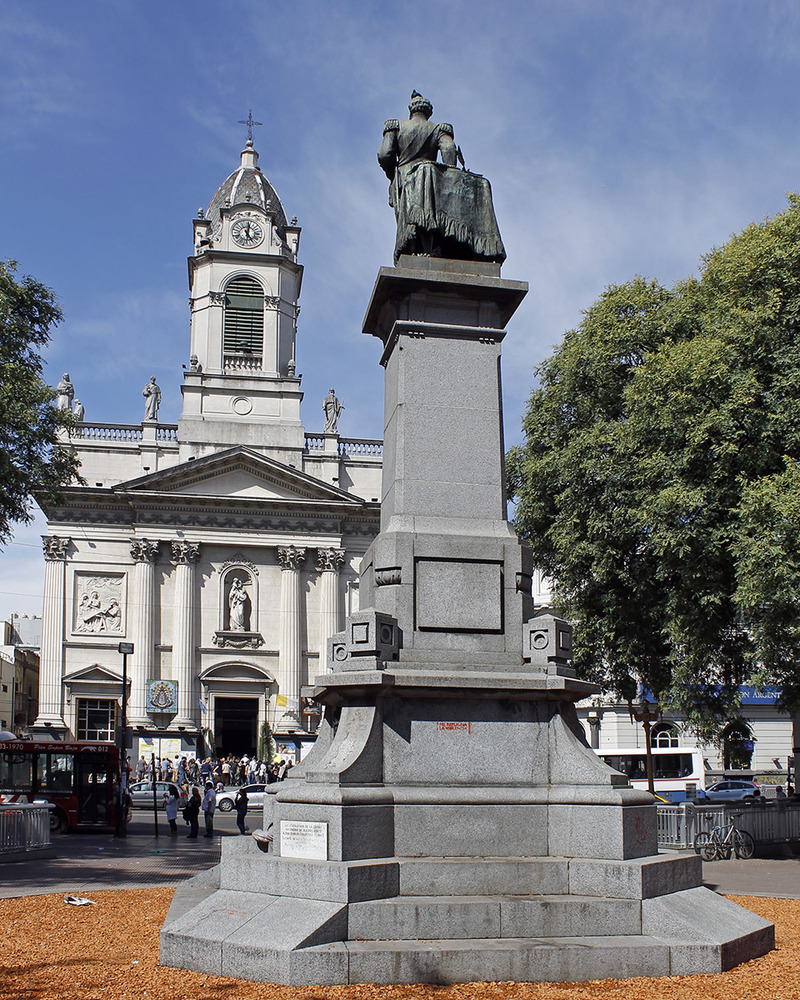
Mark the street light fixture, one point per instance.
(126, 648)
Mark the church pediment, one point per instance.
(95, 674)
(238, 473)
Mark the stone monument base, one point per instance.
(455, 920)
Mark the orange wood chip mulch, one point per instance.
(109, 951)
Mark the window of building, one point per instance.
(664, 735)
(737, 746)
(96, 719)
(243, 330)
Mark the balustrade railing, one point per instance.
(347, 447)
(241, 363)
(360, 448)
(24, 827)
(679, 824)
(122, 433)
(126, 433)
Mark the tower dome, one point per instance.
(247, 184)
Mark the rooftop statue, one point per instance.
(441, 210)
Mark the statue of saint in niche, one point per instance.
(441, 210)
(238, 607)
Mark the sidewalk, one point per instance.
(91, 861)
(777, 877)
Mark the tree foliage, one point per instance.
(659, 481)
(30, 462)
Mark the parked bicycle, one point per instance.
(723, 841)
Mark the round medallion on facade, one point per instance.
(247, 232)
(242, 405)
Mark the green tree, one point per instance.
(658, 483)
(30, 461)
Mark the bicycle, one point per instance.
(723, 841)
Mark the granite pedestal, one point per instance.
(450, 823)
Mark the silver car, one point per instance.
(732, 790)
(255, 797)
(141, 793)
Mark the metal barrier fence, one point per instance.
(24, 826)
(775, 823)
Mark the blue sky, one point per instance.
(620, 138)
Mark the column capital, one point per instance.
(329, 560)
(55, 547)
(185, 553)
(143, 550)
(290, 557)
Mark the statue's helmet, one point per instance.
(420, 103)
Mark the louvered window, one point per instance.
(244, 317)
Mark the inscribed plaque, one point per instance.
(304, 840)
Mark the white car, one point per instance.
(255, 797)
(141, 793)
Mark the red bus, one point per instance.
(80, 779)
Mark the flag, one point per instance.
(280, 699)
(202, 706)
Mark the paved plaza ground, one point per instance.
(110, 950)
(86, 861)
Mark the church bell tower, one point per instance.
(240, 386)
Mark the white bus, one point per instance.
(673, 768)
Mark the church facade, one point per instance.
(225, 548)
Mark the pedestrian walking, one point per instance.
(173, 798)
(191, 813)
(240, 804)
(208, 806)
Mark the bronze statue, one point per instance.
(441, 210)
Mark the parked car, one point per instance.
(142, 794)
(732, 790)
(255, 797)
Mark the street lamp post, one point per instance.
(126, 648)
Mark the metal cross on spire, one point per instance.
(250, 122)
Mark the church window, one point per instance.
(96, 719)
(244, 317)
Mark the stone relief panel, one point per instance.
(99, 604)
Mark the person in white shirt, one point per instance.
(208, 806)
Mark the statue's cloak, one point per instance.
(452, 203)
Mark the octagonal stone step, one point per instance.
(454, 917)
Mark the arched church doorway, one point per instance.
(235, 726)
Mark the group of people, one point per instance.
(222, 772)
(213, 775)
(207, 805)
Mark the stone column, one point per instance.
(144, 554)
(184, 557)
(329, 562)
(291, 560)
(52, 652)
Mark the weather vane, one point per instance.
(250, 122)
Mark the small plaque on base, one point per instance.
(304, 840)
